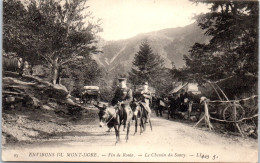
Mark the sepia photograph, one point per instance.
(130, 80)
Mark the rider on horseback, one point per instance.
(146, 100)
(123, 97)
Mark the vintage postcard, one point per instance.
(130, 80)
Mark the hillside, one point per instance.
(171, 44)
(33, 110)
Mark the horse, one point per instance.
(115, 117)
(140, 116)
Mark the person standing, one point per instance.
(160, 106)
(183, 98)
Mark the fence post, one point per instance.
(235, 118)
(206, 115)
(207, 119)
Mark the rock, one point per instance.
(18, 105)
(20, 120)
(56, 92)
(10, 99)
(46, 107)
(193, 118)
(70, 101)
(61, 87)
(36, 102)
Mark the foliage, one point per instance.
(233, 47)
(107, 90)
(149, 67)
(85, 72)
(67, 37)
(53, 30)
(16, 35)
(13, 17)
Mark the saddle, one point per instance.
(144, 106)
(141, 106)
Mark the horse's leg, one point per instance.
(124, 125)
(144, 124)
(129, 118)
(141, 121)
(136, 124)
(172, 112)
(127, 131)
(169, 112)
(160, 111)
(150, 125)
(145, 119)
(125, 116)
(117, 133)
(141, 125)
(157, 111)
(109, 130)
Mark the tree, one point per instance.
(16, 34)
(147, 66)
(53, 32)
(64, 33)
(233, 47)
(85, 72)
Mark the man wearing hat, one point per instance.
(123, 95)
(146, 99)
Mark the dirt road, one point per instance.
(169, 141)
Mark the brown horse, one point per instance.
(140, 117)
(115, 117)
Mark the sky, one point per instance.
(123, 19)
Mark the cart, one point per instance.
(225, 109)
(90, 94)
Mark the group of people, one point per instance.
(175, 103)
(178, 102)
(124, 97)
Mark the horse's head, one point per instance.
(135, 106)
(102, 114)
(102, 117)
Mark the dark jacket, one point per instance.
(122, 94)
(183, 96)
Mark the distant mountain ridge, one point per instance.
(171, 44)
